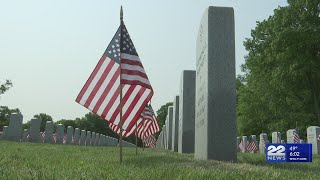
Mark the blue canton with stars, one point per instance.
(113, 50)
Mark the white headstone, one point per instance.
(313, 137)
(276, 137)
(244, 143)
(262, 143)
(290, 136)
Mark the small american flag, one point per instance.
(243, 146)
(42, 136)
(149, 125)
(150, 141)
(264, 141)
(252, 146)
(119, 68)
(54, 136)
(296, 138)
(72, 140)
(64, 140)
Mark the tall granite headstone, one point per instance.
(96, 142)
(175, 124)
(83, 138)
(76, 136)
(60, 133)
(48, 132)
(313, 137)
(34, 131)
(186, 111)
(276, 137)
(14, 130)
(93, 138)
(69, 135)
(215, 112)
(169, 127)
(88, 140)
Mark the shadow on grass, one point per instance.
(167, 158)
(144, 159)
(301, 167)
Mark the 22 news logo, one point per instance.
(276, 153)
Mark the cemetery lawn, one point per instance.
(45, 161)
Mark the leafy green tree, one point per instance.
(281, 79)
(162, 114)
(44, 118)
(5, 113)
(5, 86)
(66, 123)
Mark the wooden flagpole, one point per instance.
(120, 136)
(136, 139)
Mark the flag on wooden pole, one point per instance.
(118, 89)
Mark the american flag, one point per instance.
(64, 140)
(150, 141)
(278, 139)
(72, 140)
(264, 141)
(42, 136)
(54, 136)
(243, 146)
(296, 138)
(252, 146)
(119, 66)
(149, 125)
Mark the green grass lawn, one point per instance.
(44, 161)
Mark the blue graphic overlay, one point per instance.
(289, 152)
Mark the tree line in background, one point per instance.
(280, 85)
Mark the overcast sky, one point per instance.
(49, 48)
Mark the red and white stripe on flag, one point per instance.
(147, 124)
(150, 124)
(119, 67)
(296, 138)
(150, 141)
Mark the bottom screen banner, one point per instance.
(289, 152)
